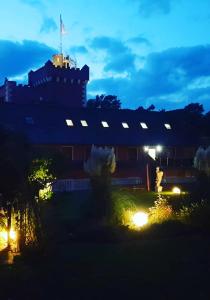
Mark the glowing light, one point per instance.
(125, 125)
(140, 219)
(146, 148)
(84, 123)
(144, 125)
(167, 126)
(12, 235)
(69, 123)
(159, 148)
(176, 190)
(104, 124)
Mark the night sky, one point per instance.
(145, 51)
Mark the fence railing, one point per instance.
(68, 185)
(176, 179)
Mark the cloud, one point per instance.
(150, 7)
(119, 57)
(48, 25)
(79, 50)
(168, 78)
(17, 58)
(139, 40)
(123, 62)
(111, 45)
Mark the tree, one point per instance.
(41, 178)
(100, 165)
(194, 108)
(151, 107)
(14, 163)
(104, 102)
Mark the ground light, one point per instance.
(12, 235)
(176, 190)
(140, 219)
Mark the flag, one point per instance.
(62, 28)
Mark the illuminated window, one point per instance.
(144, 125)
(104, 124)
(69, 123)
(84, 123)
(167, 126)
(125, 125)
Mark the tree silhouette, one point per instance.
(194, 108)
(104, 102)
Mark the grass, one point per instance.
(150, 268)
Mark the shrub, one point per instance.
(161, 211)
(197, 214)
(100, 165)
(123, 210)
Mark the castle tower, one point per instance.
(60, 82)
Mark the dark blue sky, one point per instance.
(144, 51)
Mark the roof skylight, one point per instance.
(167, 126)
(104, 124)
(125, 125)
(69, 122)
(84, 123)
(143, 125)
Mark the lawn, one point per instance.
(154, 267)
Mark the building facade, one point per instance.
(58, 82)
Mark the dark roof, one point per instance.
(45, 124)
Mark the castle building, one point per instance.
(50, 111)
(58, 82)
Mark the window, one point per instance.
(104, 124)
(167, 126)
(84, 123)
(125, 125)
(144, 125)
(69, 123)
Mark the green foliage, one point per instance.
(161, 211)
(41, 173)
(123, 209)
(196, 214)
(41, 178)
(100, 165)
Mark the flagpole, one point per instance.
(61, 50)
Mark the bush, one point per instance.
(161, 211)
(197, 214)
(123, 210)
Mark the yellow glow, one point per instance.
(176, 190)
(12, 235)
(140, 219)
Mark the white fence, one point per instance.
(68, 185)
(179, 180)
